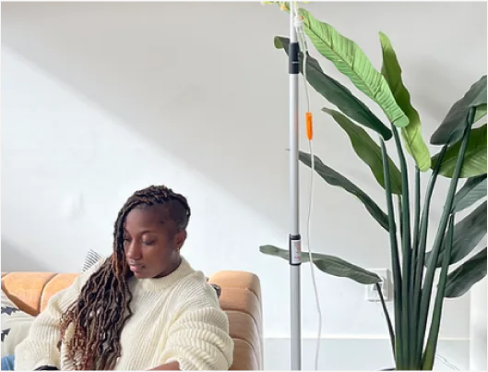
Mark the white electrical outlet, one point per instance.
(385, 285)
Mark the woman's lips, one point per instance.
(136, 267)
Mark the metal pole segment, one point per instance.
(294, 238)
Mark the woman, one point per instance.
(142, 308)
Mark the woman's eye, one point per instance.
(148, 242)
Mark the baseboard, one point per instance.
(357, 354)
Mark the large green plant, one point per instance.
(462, 155)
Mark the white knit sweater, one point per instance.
(176, 318)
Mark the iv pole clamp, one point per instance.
(294, 238)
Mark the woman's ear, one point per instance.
(180, 238)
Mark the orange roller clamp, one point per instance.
(309, 125)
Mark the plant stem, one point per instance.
(417, 207)
(388, 319)
(395, 260)
(411, 290)
(419, 271)
(429, 275)
(400, 215)
(429, 356)
(407, 340)
(416, 224)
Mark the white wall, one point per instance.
(99, 99)
(477, 347)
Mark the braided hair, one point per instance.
(103, 307)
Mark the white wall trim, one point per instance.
(358, 353)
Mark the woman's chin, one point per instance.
(139, 275)
(139, 271)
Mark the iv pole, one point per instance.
(294, 238)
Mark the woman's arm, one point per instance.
(40, 347)
(199, 340)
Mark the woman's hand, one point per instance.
(173, 366)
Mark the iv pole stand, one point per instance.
(294, 238)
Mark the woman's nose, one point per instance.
(133, 251)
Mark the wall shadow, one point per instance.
(13, 259)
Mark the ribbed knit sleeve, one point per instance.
(199, 340)
(40, 346)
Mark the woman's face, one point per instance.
(152, 242)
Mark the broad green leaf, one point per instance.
(335, 179)
(412, 133)
(451, 128)
(352, 62)
(328, 264)
(467, 234)
(473, 190)
(474, 160)
(480, 113)
(466, 275)
(368, 150)
(336, 93)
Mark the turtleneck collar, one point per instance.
(155, 284)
